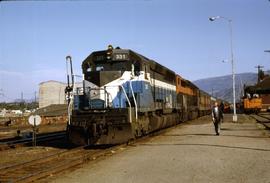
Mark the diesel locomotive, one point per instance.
(251, 101)
(125, 95)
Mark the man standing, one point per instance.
(216, 117)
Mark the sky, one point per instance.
(36, 36)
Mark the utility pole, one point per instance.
(259, 67)
(35, 96)
(21, 97)
(232, 60)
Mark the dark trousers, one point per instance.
(217, 125)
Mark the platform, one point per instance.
(188, 153)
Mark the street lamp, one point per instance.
(233, 74)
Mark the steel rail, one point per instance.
(266, 123)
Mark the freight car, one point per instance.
(204, 103)
(187, 99)
(126, 95)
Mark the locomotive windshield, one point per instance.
(110, 66)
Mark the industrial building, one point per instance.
(51, 92)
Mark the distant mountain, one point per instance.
(221, 87)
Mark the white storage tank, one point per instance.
(51, 92)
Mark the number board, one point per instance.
(120, 56)
(99, 58)
(116, 56)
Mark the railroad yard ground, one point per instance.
(11, 132)
(187, 153)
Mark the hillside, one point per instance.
(221, 87)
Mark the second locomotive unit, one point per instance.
(125, 95)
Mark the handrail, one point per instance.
(134, 99)
(124, 91)
(69, 108)
(70, 105)
(130, 118)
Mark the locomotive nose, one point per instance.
(100, 78)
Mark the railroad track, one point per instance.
(39, 169)
(262, 118)
(265, 115)
(32, 170)
(6, 144)
(43, 167)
